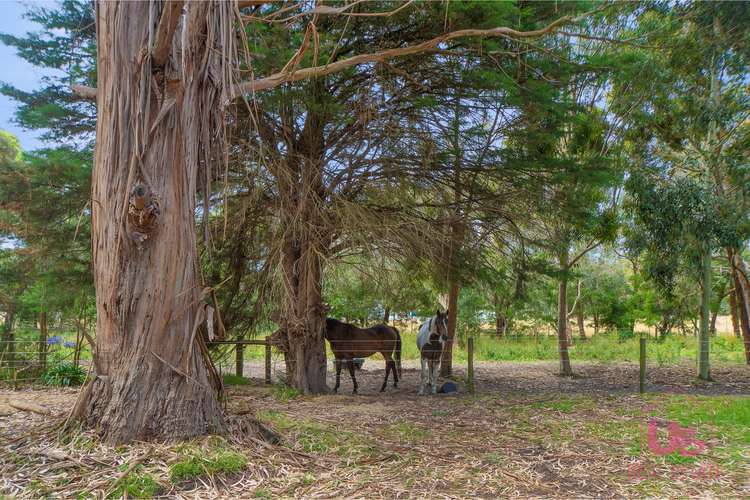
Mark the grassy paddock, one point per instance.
(603, 347)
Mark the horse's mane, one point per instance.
(333, 323)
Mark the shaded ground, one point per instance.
(526, 432)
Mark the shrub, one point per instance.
(64, 375)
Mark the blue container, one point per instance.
(448, 387)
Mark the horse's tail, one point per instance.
(398, 350)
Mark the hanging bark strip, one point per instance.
(160, 117)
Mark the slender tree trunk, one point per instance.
(156, 124)
(8, 345)
(742, 290)
(43, 340)
(80, 335)
(446, 362)
(712, 324)
(500, 324)
(562, 316)
(456, 242)
(501, 320)
(596, 324)
(703, 346)
(580, 321)
(387, 315)
(716, 308)
(733, 311)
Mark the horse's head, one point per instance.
(439, 331)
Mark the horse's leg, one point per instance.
(423, 376)
(435, 370)
(351, 372)
(395, 374)
(387, 372)
(338, 375)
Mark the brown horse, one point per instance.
(349, 342)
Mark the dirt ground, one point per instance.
(527, 432)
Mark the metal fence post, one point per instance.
(642, 363)
(470, 372)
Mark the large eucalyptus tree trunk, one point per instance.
(159, 99)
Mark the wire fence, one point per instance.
(29, 350)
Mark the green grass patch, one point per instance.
(729, 415)
(231, 379)
(494, 458)
(197, 464)
(262, 493)
(285, 393)
(137, 485)
(566, 404)
(407, 431)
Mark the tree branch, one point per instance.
(315, 71)
(161, 49)
(84, 92)
(575, 302)
(170, 16)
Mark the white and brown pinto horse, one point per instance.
(433, 334)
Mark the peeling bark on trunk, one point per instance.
(303, 320)
(304, 243)
(155, 125)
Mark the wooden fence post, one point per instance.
(43, 340)
(268, 360)
(470, 372)
(239, 359)
(642, 363)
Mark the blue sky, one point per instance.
(15, 70)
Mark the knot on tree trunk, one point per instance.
(143, 210)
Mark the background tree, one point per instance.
(692, 120)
